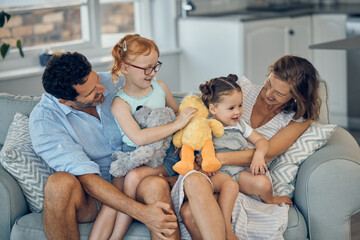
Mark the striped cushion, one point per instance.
(284, 168)
(18, 158)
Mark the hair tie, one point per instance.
(124, 46)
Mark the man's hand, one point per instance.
(161, 220)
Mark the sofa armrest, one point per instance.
(327, 188)
(12, 203)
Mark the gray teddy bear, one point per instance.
(151, 154)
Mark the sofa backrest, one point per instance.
(324, 96)
(9, 105)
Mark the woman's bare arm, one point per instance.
(283, 139)
(278, 144)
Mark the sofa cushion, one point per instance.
(30, 227)
(19, 159)
(11, 104)
(284, 168)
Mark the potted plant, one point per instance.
(5, 47)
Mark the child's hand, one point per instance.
(258, 165)
(198, 159)
(185, 116)
(177, 151)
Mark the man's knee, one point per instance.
(59, 185)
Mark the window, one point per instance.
(117, 18)
(91, 27)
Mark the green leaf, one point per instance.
(2, 19)
(4, 15)
(4, 49)
(18, 45)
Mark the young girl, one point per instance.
(137, 59)
(224, 99)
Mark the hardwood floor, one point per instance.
(355, 220)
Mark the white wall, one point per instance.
(30, 83)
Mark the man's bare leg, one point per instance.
(65, 204)
(204, 207)
(152, 189)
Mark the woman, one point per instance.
(281, 111)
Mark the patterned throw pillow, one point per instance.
(19, 159)
(284, 168)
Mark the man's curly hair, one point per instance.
(64, 71)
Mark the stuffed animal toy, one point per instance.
(152, 154)
(197, 135)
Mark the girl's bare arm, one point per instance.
(170, 100)
(122, 113)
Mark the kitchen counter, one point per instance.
(344, 44)
(253, 15)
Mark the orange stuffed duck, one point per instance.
(197, 135)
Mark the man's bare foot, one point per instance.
(282, 199)
(230, 235)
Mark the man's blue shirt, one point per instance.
(73, 141)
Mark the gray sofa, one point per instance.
(327, 189)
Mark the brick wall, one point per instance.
(48, 26)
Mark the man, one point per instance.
(73, 130)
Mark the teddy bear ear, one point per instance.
(141, 115)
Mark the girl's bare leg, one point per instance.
(229, 190)
(204, 207)
(260, 185)
(132, 180)
(105, 221)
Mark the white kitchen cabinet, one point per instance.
(331, 64)
(210, 47)
(216, 46)
(267, 40)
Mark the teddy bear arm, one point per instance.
(216, 127)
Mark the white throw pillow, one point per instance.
(19, 159)
(284, 168)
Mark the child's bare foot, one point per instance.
(282, 199)
(230, 235)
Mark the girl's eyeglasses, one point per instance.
(148, 71)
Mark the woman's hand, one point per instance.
(197, 166)
(198, 159)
